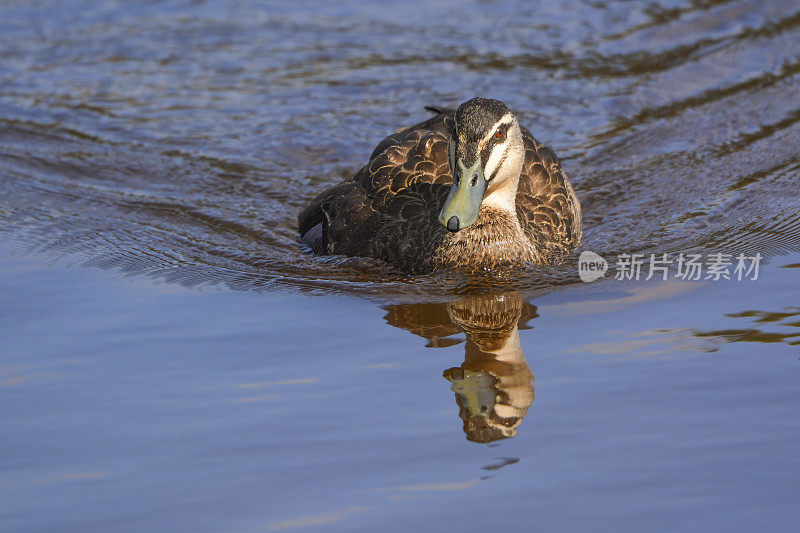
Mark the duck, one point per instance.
(467, 189)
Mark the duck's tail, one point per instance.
(436, 110)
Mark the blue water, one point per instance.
(172, 359)
(130, 406)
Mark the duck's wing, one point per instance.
(389, 208)
(547, 207)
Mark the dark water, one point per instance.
(170, 357)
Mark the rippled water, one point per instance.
(181, 139)
(176, 142)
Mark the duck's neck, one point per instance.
(504, 197)
(509, 353)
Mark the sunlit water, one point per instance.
(172, 359)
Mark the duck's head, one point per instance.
(486, 153)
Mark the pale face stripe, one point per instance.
(496, 160)
(499, 151)
(506, 120)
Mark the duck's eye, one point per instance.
(499, 133)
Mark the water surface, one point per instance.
(172, 358)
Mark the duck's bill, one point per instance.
(466, 196)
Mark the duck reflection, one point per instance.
(494, 386)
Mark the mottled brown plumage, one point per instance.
(389, 209)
